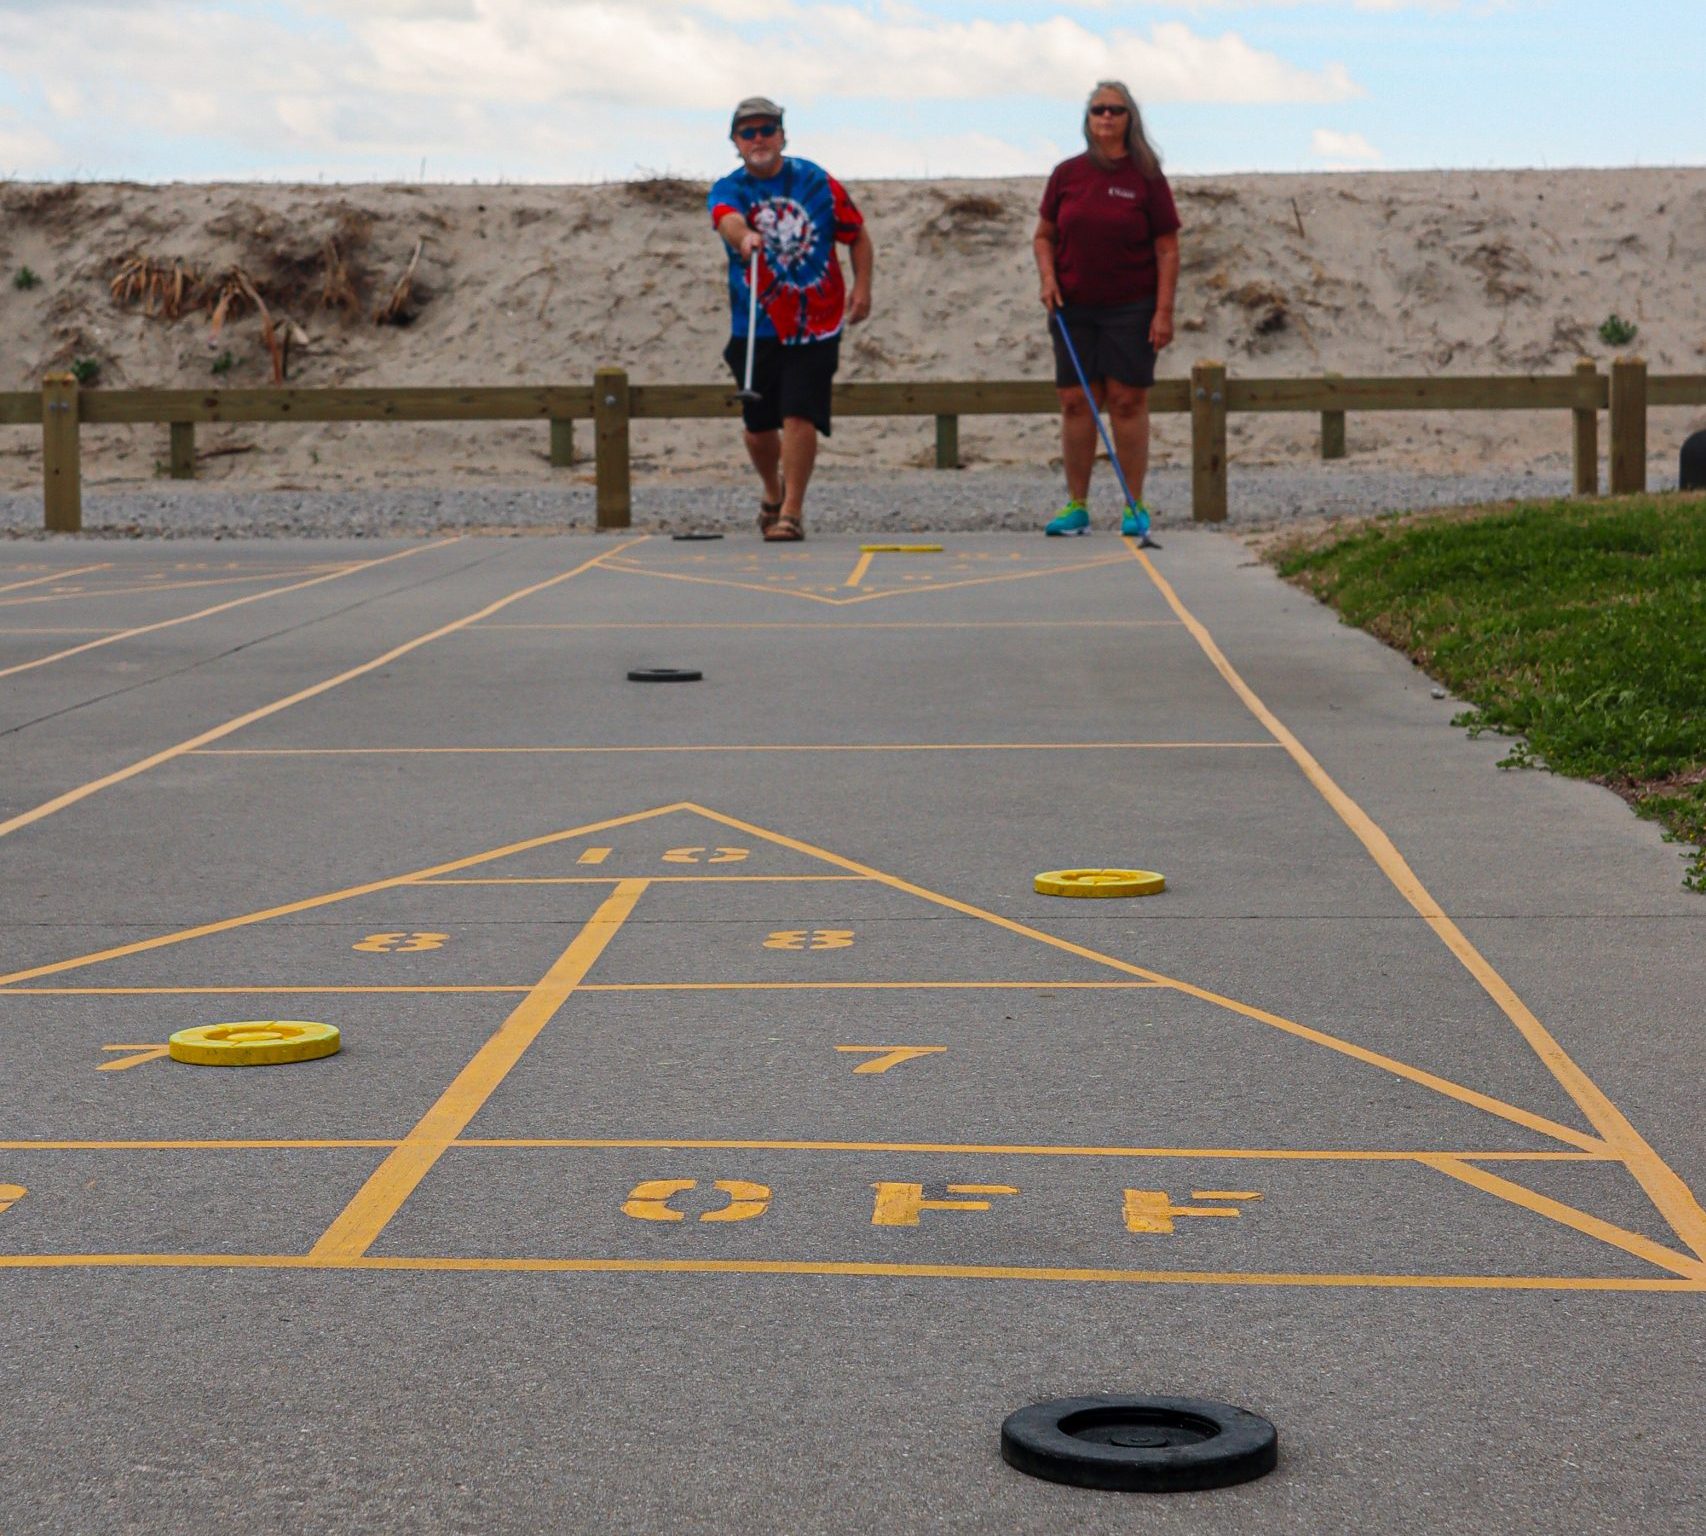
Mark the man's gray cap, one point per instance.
(755, 106)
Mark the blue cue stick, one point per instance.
(1096, 415)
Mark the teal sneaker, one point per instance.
(1074, 517)
(1135, 523)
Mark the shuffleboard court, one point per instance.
(727, 1134)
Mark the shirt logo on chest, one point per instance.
(1125, 192)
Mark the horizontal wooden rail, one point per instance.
(1676, 389)
(1466, 393)
(1209, 396)
(108, 407)
(20, 408)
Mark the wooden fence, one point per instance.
(611, 403)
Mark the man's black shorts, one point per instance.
(794, 381)
(1112, 341)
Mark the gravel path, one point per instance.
(897, 501)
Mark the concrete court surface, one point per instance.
(727, 1137)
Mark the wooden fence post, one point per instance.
(61, 466)
(1208, 442)
(1332, 431)
(1585, 415)
(947, 442)
(610, 445)
(183, 450)
(1628, 426)
(562, 442)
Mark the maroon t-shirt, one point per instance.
(1106, 224)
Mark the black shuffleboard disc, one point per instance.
(1147, 1444)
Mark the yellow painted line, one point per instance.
(873, 986)
(734, 1144)
(83, 791)
(382, 1196)
(596, 986)
(41, 581)
(141, 587)
(233, 991)
(866, 597)
(1445, 1086)
(655, 879)
(262, 1144)
(878, 746)
(330, 898)
(236, 602)
(1664, 1188)
(847, 1270)
(999, 1149)
(1567, 1215)
(862, 624)
(594, 855)
(860, 569)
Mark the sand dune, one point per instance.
(1387, 273)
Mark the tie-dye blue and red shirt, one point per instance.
(802, 211)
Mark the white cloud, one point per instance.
(528, 89)
(1341, 150)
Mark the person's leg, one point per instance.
(1077, 443)
(799, 455)
(765, 451)
(1128, 415)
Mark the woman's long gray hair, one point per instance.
(1144, 155)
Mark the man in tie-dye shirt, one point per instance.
(792, 213)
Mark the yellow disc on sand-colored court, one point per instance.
(1100, 882)
(254, 1043)
(900, 549)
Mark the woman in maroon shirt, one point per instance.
(1107, 247)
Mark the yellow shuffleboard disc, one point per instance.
(1100, 882)
(900, 549)
(254, 1043)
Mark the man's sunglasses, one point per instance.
(1105, 109)
(767, 130)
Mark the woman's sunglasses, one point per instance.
(765, 131)
(1103, 109)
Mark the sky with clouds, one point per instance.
(589, 90)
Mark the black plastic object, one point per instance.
(693, 538)
(664, 675)
(1693, 473)
(1142, 1444)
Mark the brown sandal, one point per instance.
(785, 530)
(768, 512)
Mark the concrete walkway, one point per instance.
(727, 1136)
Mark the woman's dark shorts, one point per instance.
(1112, 341)
(793, 381)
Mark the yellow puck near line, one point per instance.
(900, 549)
(254, 1043)
(1100, 882)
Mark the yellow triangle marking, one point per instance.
(864, 597)
(331, 898)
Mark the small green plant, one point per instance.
(24, 279)
(86, 369)
(223, 363)
(1615, 331)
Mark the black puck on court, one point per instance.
(664, 675)
(1144, 1444)
(693, 538)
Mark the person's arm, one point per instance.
(740, 235)
(1166, 286)
(1042, 246)
(864, 255)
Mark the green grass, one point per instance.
(1578, 628)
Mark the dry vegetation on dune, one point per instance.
(220, 285)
